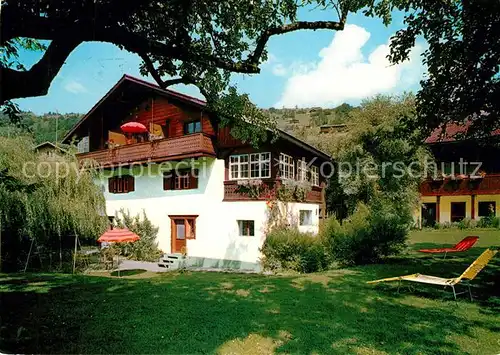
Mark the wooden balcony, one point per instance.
(490, 184)
(190, 146)
(233, 192)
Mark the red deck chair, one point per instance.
(464, 245)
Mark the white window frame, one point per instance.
(309, 220)
(236, 166)
(287, 167)
(261, 160)
(302, 170)
(314, 175)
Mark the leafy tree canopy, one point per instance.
(46, 197)
(374, 157)
(197, 42)
(463, 62)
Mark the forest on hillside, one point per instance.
(49, 127)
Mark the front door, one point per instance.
(182, 228)
(457, 211)
(178, 236)
(429, 214)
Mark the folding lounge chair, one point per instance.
(468, 275)
(464, 245)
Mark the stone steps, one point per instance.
(172, 261)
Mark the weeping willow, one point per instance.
(44, 198)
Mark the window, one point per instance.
(301, 170)
(305, 217)
(260, 165)
(486, 208)
(180, 228)
(192, 127)
(287, 168)
(121, 184)
(314, 175)
(238, 166)
(186, 179)
(457, 211)
(255, 166)
(246, 228)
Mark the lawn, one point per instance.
(330, 312)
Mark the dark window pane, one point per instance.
(486, 208)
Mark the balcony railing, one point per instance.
(192, 145)
(489, 184)
(233, 192)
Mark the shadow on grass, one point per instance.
(332, 312)
(132, 272)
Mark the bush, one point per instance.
(368, 235)
(288, 249)
(146, 248)
(489, 222)
(467, 223)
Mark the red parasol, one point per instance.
(133, 127)
(118, 236)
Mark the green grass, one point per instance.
(323, 313)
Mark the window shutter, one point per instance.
(193, 183)
(111, 184)
(131, 183)
(168, 181)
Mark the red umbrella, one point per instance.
(118, 236)
(133, 127)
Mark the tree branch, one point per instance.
(37, 80)
(254, 58)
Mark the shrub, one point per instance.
(489, 222)
(467, 223)
(288, 249)
(368, 235)
(146, 248)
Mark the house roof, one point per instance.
(49, 145)
(452, 132)
(189, 100)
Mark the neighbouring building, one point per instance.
(49, 149)
(212, 196)
(468, 182)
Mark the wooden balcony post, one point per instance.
(438, 202)
(473, 207)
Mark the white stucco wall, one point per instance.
(217, 233)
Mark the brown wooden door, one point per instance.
(182, 228)
(178, 235)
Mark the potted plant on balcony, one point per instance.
(475, 180)
(436, 179)
(253, 188)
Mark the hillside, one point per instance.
(47, 127)
(290, 120)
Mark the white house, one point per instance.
(211, 195)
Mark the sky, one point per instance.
(304, 69)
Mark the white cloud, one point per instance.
(279, 70)
(75, 87)
(343, 74)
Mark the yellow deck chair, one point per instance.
(467, 275)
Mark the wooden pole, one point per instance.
(0, 243)
(74, 254)
(29, 255)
